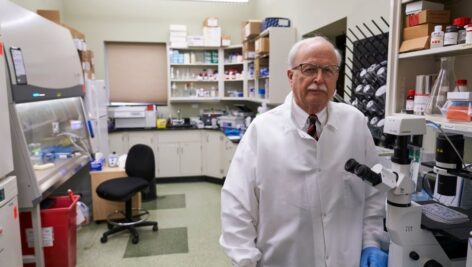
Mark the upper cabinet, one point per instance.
(404, 67)
(194, 74)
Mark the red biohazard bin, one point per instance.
(59, 232)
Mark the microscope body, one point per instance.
(410, 245)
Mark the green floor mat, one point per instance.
(164, 241)
(176, 201)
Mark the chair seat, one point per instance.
(121, 189)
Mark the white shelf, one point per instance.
(452, 50)
(195, 64)
(194, 81)
(258, 100)
(194, 99)
(460, 127)
(233, 98)
(203, 48)
(234, 80)
(234, 64)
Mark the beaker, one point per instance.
(444, 83)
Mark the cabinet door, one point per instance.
(229, 149)
(212, 152)
(118, 143)
(191, 158)
(168, 160)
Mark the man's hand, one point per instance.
(374, 257)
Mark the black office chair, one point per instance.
(140, 168)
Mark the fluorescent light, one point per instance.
(226, 1)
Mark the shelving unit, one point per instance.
(275, 83)
(228, 76)
(194, 74)
(403, 67)
(234, 71)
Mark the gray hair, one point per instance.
(296, 47)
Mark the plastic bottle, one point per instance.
(468, 36)
(437, 37)
(422, 94)
(451, 35)
(444, 83)
(410, 101)
(460, 23)
(461, 86)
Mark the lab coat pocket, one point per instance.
(297, 194)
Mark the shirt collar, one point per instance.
(301, 117)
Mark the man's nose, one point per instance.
(318, 77)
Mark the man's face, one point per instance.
(314, 83)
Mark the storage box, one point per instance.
(59, 231)
(418, 31)
(210, 22)
(195, 40)
(418, 6)
(414, 44)
(250, 29)
(225, 40)
(75, 33)
(52, 15)
(275, 22)
(459, 106)
(428, 16)
(212, 36)
(262, 45)
(249, 51)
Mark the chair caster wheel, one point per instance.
(103, 239)
(155, 228)
(135, 240)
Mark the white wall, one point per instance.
(40, 4)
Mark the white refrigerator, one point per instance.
(96, 103)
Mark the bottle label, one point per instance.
(410, 104)
(420, 103)
(450, 38)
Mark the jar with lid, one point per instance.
(468, 35)
(461, 86)
(451, 35)
(410, 101)
(461, 23)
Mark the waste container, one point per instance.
(58, 222)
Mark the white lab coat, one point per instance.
(287, 200)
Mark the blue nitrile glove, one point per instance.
(374, 257)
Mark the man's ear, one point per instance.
(290, 75)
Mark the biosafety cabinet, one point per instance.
(49, 130)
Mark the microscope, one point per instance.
(411, 245)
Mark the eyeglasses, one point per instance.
(312, 70)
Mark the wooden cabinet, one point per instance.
(212, 151)
(404, 67)
(179, 153)
(101, 208)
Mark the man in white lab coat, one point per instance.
(287, 200)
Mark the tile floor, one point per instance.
(189, 228)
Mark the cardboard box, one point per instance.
(225, 40)
(52, 15)
(415, 7)
(75, 33)
(212, 36)
(249, 51)
(418, 31)
(262, 45)
(210, 22)
(86, 55)
(428, 16)
(195, 40)
(415, 44)
(250, 29)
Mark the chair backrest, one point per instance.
(140, 162)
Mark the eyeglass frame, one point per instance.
(318, 67)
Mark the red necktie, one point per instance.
(312, 126)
